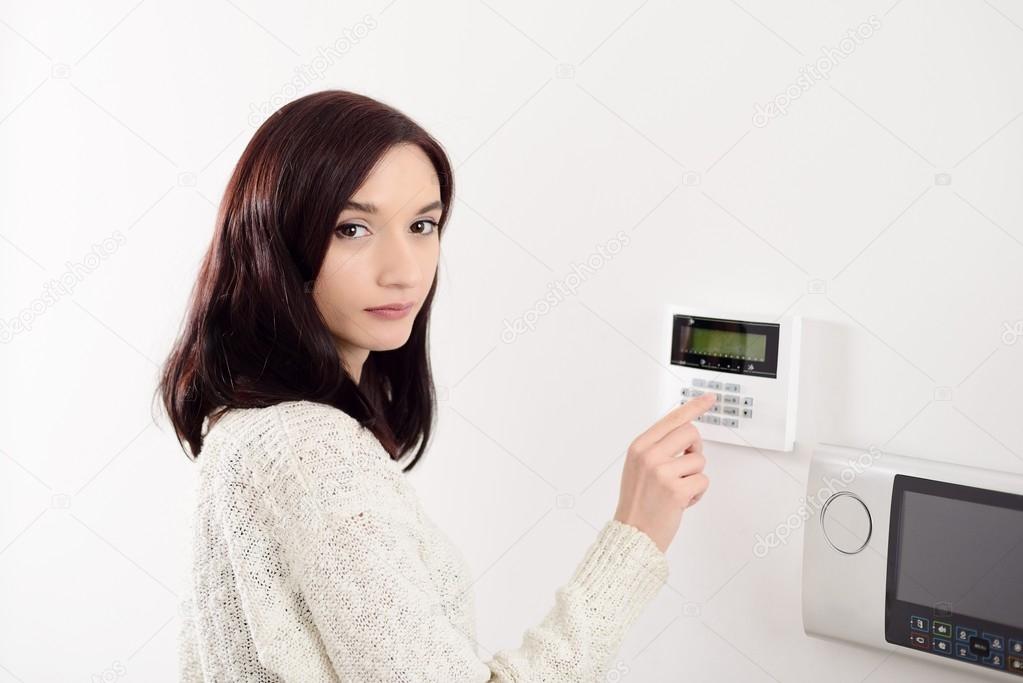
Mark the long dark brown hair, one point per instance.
(253, 335)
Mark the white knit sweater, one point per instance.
(314, 561)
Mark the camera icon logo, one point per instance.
(564, 71)
(690, 178)
(691, 609)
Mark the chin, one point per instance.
(389, 344)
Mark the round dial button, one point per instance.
(846, 522)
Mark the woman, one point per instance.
(302, 376)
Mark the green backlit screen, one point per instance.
(727, 344)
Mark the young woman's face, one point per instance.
(384, 251)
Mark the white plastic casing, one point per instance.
(773, 425)
(844, 594)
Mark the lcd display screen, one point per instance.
(727, 344)
(965, 555)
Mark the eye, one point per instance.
(341, 230)
(425, 221)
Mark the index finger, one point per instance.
(677, 417)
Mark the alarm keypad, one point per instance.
(731, 409)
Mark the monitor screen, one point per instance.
(963, 554)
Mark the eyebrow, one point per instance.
(372, 208)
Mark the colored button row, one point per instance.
(988, 649)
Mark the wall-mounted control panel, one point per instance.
(750, 362)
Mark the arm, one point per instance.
(189, 666)
(349, 536)
(621, 572)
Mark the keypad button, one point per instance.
(997, 642)
(980, 646)
(747, 401)
(715, 408)
(963, 634)
(747, 412)
(942, 646)
(686, 391)
(699, 382)
(963, 652)
(919, 640)
(1016, 665)
(731, 399)
(942, 629)
(919, 624)
(732, 387)
(714, 386)
(712, 419)
(1016, 647)
(995, 659)
(695, 392)
(730, 422)
(730, 410)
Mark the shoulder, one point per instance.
(247, 423)
(293, 422)
(315, 438)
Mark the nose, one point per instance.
(398, 262)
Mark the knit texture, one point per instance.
(313, 560)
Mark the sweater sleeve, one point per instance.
(189, 666)
(352, 546)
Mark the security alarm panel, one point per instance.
(920, 557)
(750, 362)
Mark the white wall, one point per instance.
(568, 123)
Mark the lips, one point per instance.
(392, 307)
